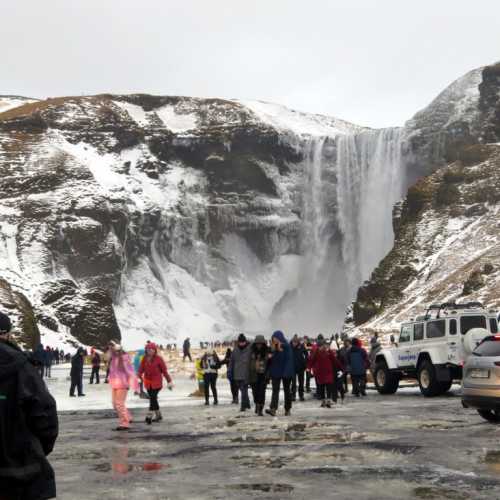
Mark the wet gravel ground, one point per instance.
(387, 447)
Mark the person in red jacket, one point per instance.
(325, 366)
(151, 371)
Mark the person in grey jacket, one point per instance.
(240, 369)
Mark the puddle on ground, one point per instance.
(122, 468)
(438, 493)
(262, 487)
(492, 461)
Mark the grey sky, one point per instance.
(373, 62)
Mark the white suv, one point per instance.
(433, 348)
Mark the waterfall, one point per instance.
(371, 179)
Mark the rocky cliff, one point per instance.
(447, 243)
(149, 217)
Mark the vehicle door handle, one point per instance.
(453, 343)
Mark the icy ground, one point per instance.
(381, 447)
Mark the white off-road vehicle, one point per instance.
(433, 348)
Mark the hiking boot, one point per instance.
(206, 403)
(301, 398)
(121, 428)
(261, 408)
(215, 402)
(287, 413)
(328, 404)
(323, 403)
(158, 417)
(243, 408)
(271, 411)
(148, 420)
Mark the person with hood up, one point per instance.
(326, 366)
(28, 425)
(240, 369)
(259, 359)
(137, 364)
(300, 356)
(152, 371)
(96, 366)
(281, 370)
(358, 362)
(210, 363)
(122, 377)
(76, 372)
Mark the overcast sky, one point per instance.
(373, 62)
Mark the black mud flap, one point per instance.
(443, 373)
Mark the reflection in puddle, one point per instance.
(119, 464)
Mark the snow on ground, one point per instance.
(283, 119)
(8, 102)
(176, 122)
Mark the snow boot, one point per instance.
(158, 417)
(323, 403)
(287, 413)
(271, 411)
(149, 419)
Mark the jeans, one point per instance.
(76, 383)
(358, 384)
(276, 383)
(259, 389)
(243, 388)
(153, 399)
(210, 380)
(300, 376)
(48, 370)
(234, 390)
(94, 373)
(119, 397)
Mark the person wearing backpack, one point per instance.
(29, 425)
(210, 363)
(358, 362)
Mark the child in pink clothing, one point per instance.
(122, 377)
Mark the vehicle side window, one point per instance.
(493, 325)
(405, 335)
(453, 326)
(436, 329)
(418, 333)
(469, 322)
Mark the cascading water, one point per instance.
(371, 179)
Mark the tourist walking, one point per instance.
(137, 364)
(96, 366)
(76, 372)
(28, 425)
(39, 359)
(343, 355)
(47, 361)
(300, 356)
(240, 369)
(122, 377)
(259, 359)
(281, 371)
(186, 350)
(358, 362)
(210, 364)
(232, 383)
(152, 371)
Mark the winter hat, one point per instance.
(5, 324)
(259, 339)
(242, 338)
(278, 334)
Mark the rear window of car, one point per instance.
(436, 329)
(489, 347)
(493, 325)
(469, 322)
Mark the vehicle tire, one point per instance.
(429, 386)
(445, 386)
(385, 381)
(490, 415)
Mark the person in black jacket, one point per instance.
(258, 372)
(28, 425)
(76, 372)
(300, 356)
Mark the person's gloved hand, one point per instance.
(170, 386)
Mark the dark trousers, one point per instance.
(187, 354)
(276, 383)
(308, 381)
(95, 373)
(107, 374)
(234, 390)
(210, 382)
(338, 388)
(76, 383)
(153, 399)
(40, 369)
(344, 382)
(259, 389)
(48, 370)
(358, 384)
(299, 376)
(325, 391)
(243, 389)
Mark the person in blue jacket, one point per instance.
(137, 363)
(282, 370)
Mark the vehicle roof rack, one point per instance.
(451, 305)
